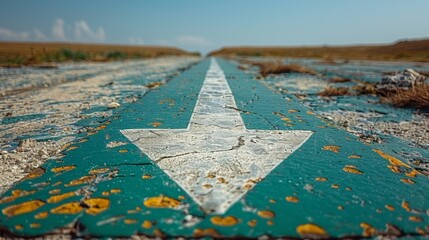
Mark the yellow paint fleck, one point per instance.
(311, 230)
(266, 214)
(57, 183)
(389, 207)
(252, 223)
(209, 232)
(147, 224)
(130, 221)
(22, 208)
(405, 205)
(60, 197)
(156, 124)
(321, 179)
(19, 227)
(332, 148)
(355, 156)
(83, 140)
(96, 205)
(181, 197)
(336, 186)
(415, 219)
(207, 186)
(82, 180)
(105, 193)
(420, 231)
(413, 173)
(352, 169)
(68, 208)
(270, 223)
(41, 215)
(72, 148)
(123, 151)
(161, 202)
(396, 163)
(368, 230)
(99, 170)
(407, 180)
(224, 221)
(115, 190)
(101, 127)
(394, 169)
(292, 199)
(35, 173)
(146, 176)
(310, 112)
(62, 169)
(35, 225)
(292, 110)
(55, 191)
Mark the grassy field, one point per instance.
(13, 54)
(416, 51)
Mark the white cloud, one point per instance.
(189, 40)
(38, 35)
(58, 30)
(83, 32)
(7, 34)
(136, 40)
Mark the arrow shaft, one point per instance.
(215, 107)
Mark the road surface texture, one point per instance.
(212, 152)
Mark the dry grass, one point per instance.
(17, 54)
(267, 68)
(331, 91)
(417, 97)
(417, 50)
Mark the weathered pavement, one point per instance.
(331, 186)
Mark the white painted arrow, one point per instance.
(216, 160)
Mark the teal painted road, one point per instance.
(333, 186)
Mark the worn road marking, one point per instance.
(216, 160)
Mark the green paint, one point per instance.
(170, 106)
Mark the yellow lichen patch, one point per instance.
(55, 191)
(41, 215)
(224, 221)
(98, 171)
(130, 221)
(35, 173)
(147, 224)
(146, 176)
(355, 156)
(156, 124)
(352, 169)
(16, 194)
(415, 219)
(96, 205)
(209, 232)
(368, 230)
(389, 207)
(123, 151)
(405, 205)
(60, 197)
(82, 180)
(332, 148)
(35, 225)
(407, 180)
(68, 208)
(161, 202)
(19, 227)
(321, 179)
(336, 186)
(115, 190)
(292, 199)
(311, 230)
(22, 208)
(266, 214)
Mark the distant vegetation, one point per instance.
(43, 54)
(416, 51)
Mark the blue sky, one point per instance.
(200, 25)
